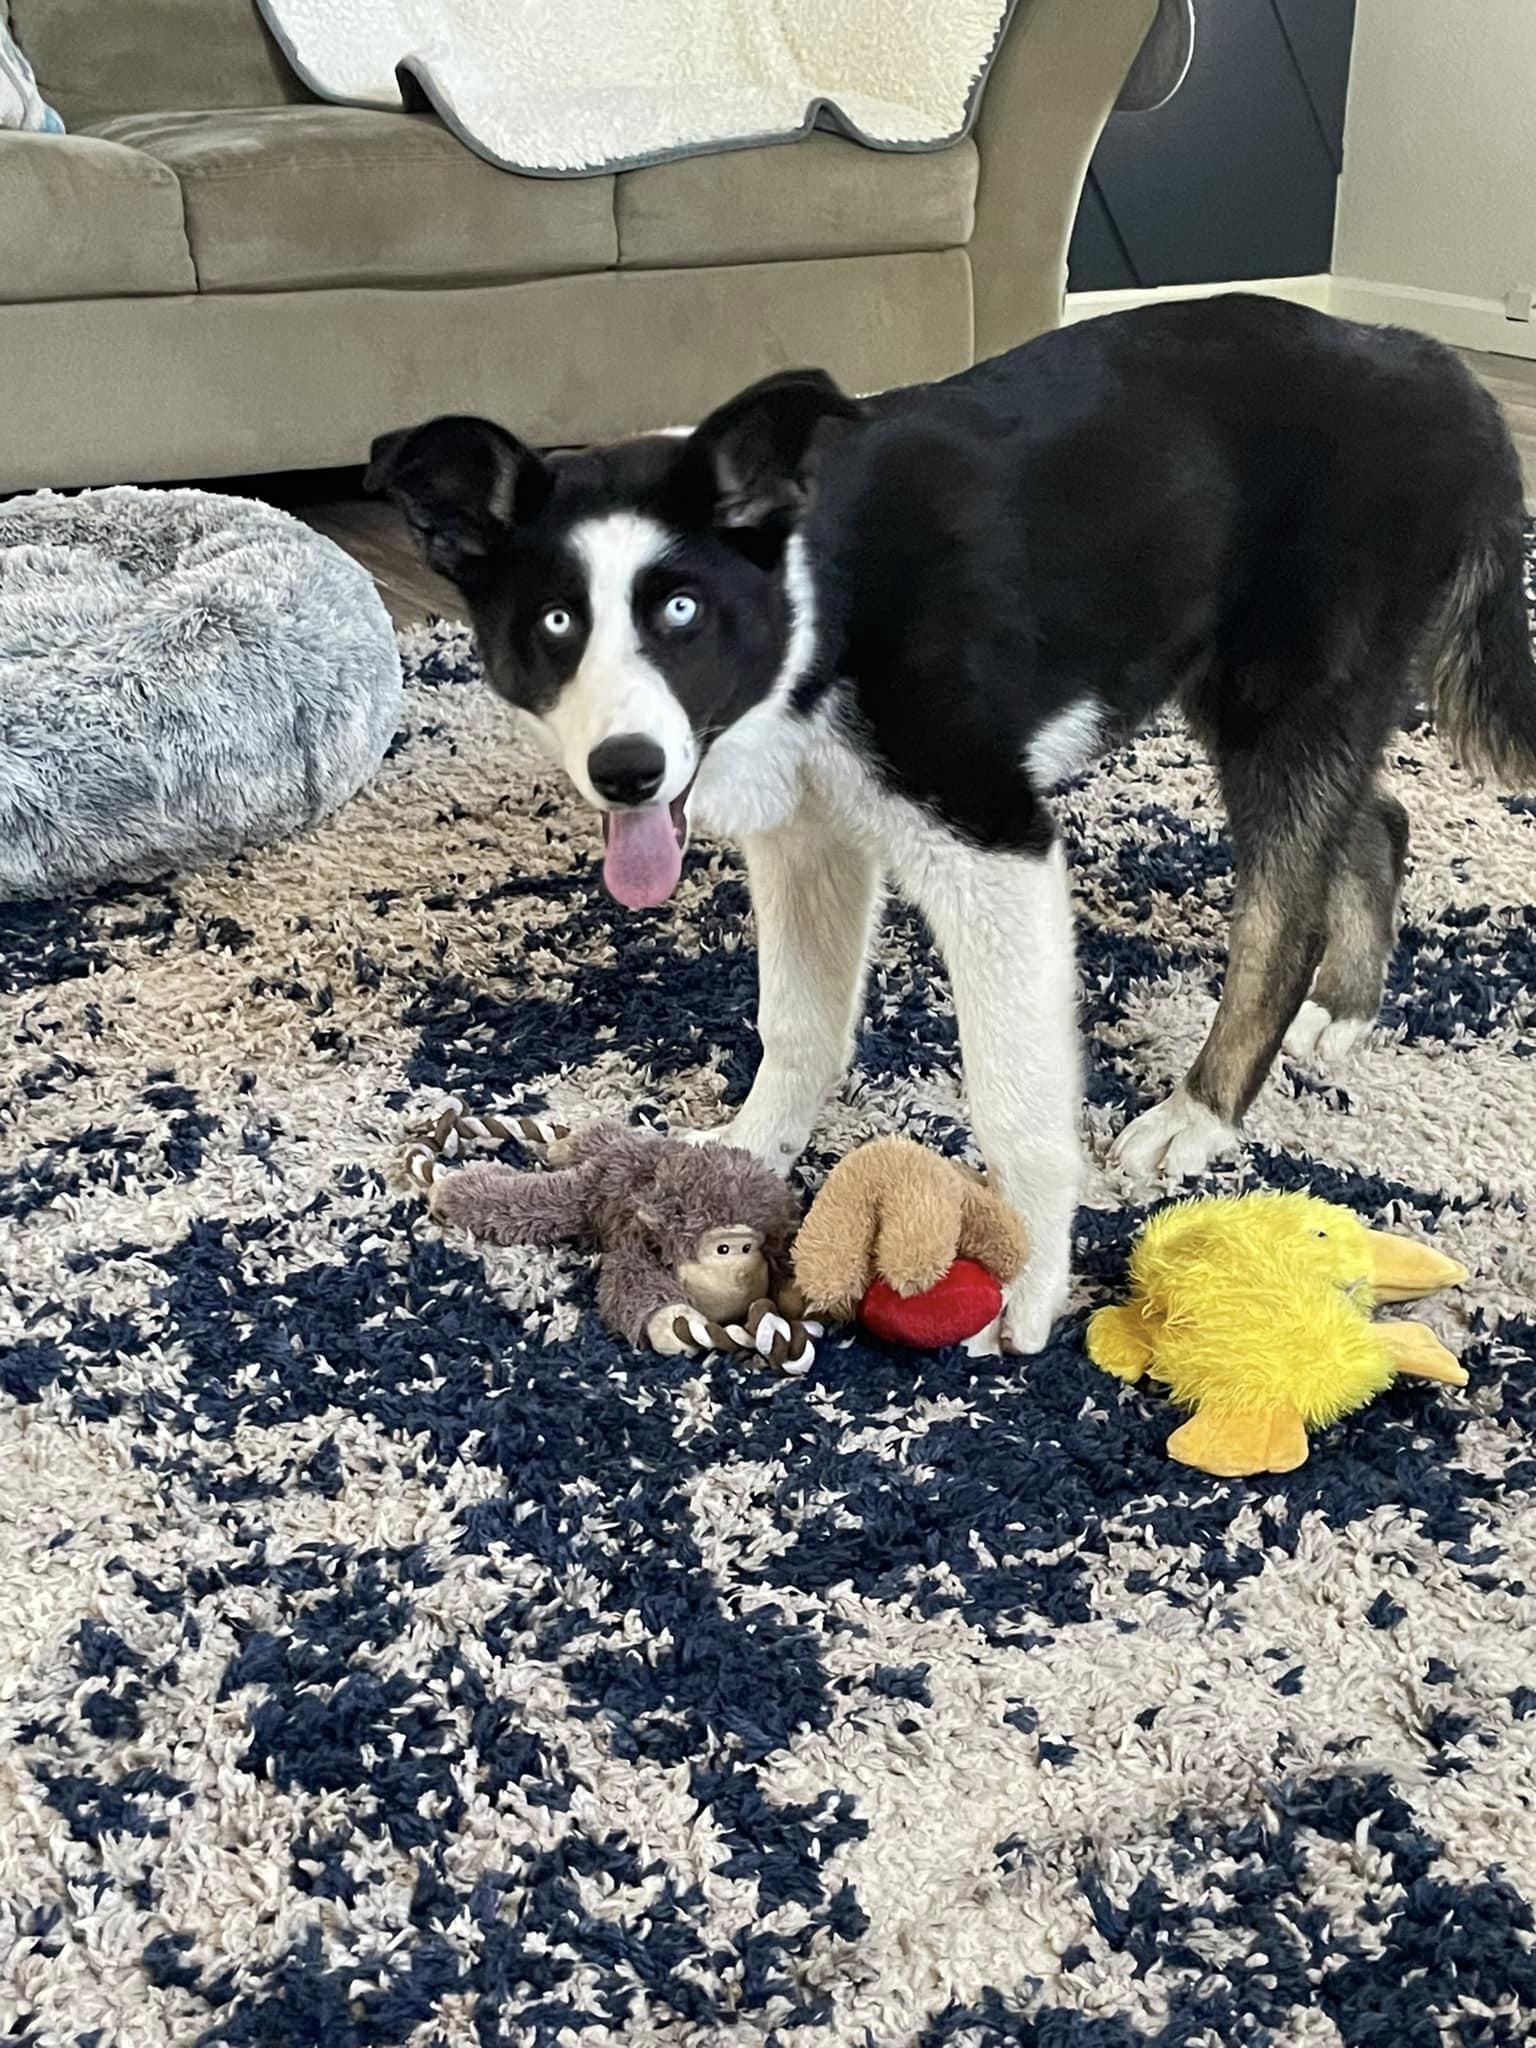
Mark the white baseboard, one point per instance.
(1303, 291)
(1465, 323)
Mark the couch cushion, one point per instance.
(819, 197)
(84, 219)
(295, 197)
(99, 57)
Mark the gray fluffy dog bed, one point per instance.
(181, 675)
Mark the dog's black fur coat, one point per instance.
(1251, 507)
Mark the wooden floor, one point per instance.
(375, 535)
(1513, 383)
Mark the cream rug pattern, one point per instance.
(389, 1658)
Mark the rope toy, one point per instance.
(456, 1129)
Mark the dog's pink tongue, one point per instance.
(643, 862)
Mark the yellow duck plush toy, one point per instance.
(1255, 1311)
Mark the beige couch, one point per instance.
(213, 274)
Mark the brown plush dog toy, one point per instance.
(916, 1247)
(693, 1241)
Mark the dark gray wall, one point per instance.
(1236, 176)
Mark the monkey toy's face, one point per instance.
(727, 1273)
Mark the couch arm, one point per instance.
(1052, 86)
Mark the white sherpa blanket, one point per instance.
(571, 87)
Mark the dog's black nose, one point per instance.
(628, 769)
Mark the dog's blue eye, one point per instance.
(557, 622)
(680, 610)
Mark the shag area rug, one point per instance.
(389, 1658)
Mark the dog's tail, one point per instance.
(1481, 673)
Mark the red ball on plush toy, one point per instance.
(915, 1246)
(961, 1305)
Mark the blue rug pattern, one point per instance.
(392, 1661)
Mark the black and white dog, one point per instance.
(867, 638)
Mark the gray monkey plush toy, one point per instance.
(693, 1238)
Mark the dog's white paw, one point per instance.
(987, 1343)
(717, 1134)
(1318, 1038)
(774, 1146)
(1177, 1137)
(1032, 1306)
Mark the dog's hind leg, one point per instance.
(1292, 819)
(813, 897)
(1363, 900)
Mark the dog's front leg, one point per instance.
(813, 896)
(1003, 922)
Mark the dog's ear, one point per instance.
(462, 484)
(757, 454)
